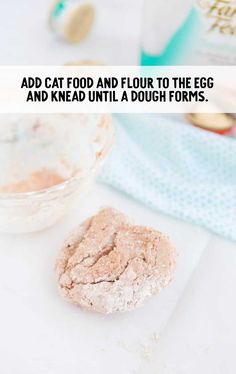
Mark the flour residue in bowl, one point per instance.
(57, 155)
(40, 151)
(36, 181)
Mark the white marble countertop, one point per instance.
(39, 332)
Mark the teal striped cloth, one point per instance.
(176, 169)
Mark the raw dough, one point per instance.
(108, 265)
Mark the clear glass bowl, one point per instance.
(36, 148)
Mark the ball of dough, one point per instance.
(108, 265)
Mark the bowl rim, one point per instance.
(17, 196)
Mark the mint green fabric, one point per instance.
(176, 169)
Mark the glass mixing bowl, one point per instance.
(48, 163)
